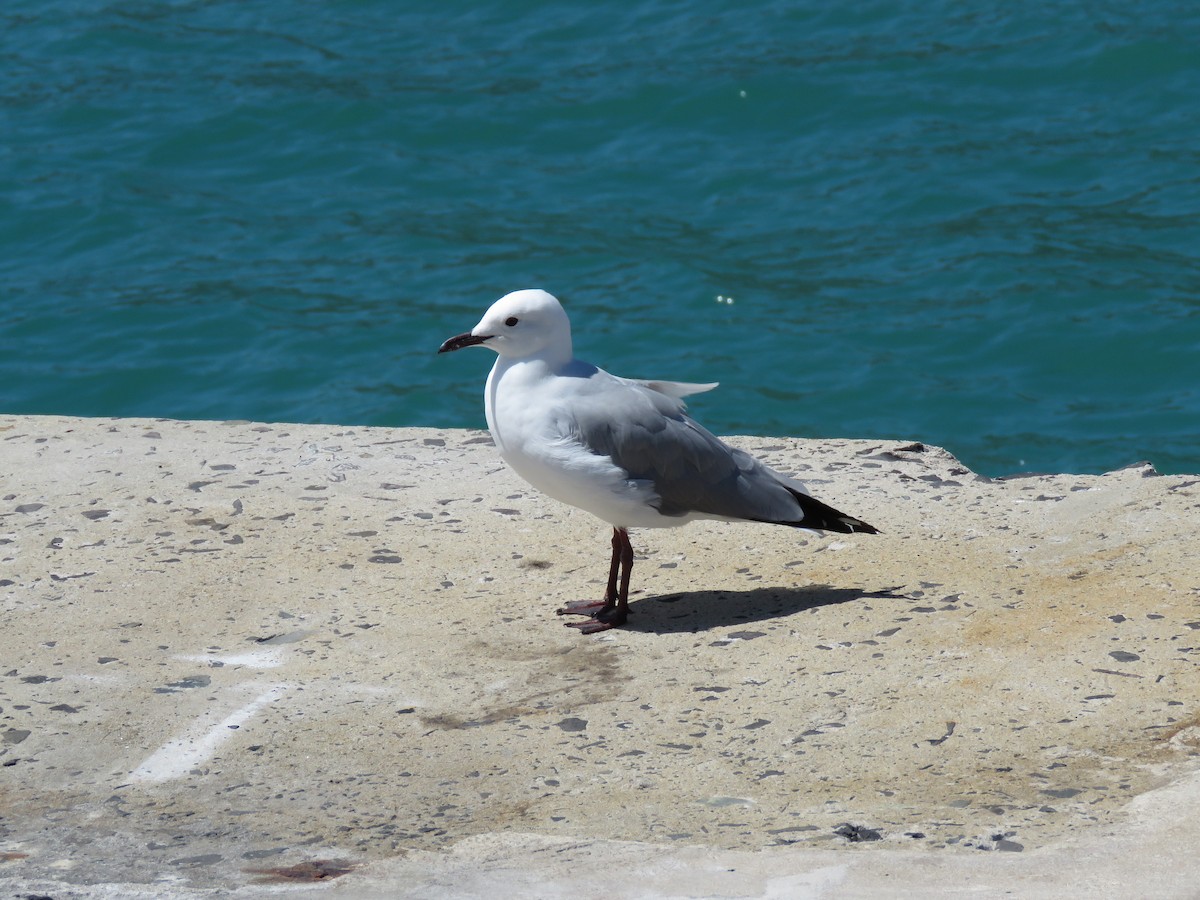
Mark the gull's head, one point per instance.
(520, 325)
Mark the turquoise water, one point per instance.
(973, 224)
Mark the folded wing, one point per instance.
(643, 429)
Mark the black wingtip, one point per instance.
(824, 517)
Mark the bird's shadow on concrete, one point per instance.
(693, 611)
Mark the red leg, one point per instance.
(614, 609)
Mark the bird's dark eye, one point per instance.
(511, 321)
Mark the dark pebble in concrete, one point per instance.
(856, 833)
(206, 859)
(195, 681)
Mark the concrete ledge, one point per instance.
(234, 648)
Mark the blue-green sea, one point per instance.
(974, 224)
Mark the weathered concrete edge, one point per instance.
(1094, 862)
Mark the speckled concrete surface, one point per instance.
(232, 648)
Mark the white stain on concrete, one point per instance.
(180, 755)
(263, 658)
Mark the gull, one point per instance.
(623, 450)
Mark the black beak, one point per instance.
(462, 340)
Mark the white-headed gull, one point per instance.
(620, 449)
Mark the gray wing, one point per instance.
(646, 432)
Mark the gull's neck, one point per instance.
(552, 358)
(518, 372)
(534, 367)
